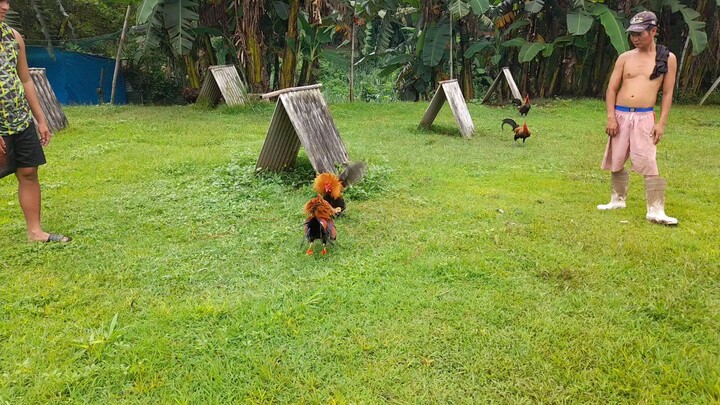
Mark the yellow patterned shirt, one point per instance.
(14, 109)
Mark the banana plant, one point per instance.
(696, 32)
(586, 13)
(171, 25)
(176, 18)
(311, 40)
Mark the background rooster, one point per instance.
(331, 186)
(319, 224)
(520, 132)
(523, 107)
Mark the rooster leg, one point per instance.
(309, 251)
(324, 251)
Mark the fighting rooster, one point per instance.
(523, 106)
(520, 132)
(331, 186)
(319, 224)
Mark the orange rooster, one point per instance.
(523, 107)
(331, 186)
(520, 132)
(319, 224)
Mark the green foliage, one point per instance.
(171, 20)
(376, 184)
(614, 28)
(369, 85)
(436, 40)
(530, 49)
(150, 82)
(579, 22)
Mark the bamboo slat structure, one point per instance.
(712, 88)
(449, 90)
(49, 103)
(509, 80)
(223, 81)
(302, 118)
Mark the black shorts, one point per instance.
(25, 145)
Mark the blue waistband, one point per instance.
(633, 109)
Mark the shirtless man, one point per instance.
(631, 95)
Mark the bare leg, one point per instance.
(29, 196)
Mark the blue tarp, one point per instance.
(75, 76)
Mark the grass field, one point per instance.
(465, 271)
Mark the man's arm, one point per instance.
(611, 95)
(668, 87)
(30, 93)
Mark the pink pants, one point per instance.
(634, 140)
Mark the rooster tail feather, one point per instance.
(517, 102)
(510, 122)
(353, 173)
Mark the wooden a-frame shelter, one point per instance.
(54, 114)
(449, 90)
(712, 88)
(301, 118)
(223, 80)
(504, 74)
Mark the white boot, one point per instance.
(619, 182)
(655, 193)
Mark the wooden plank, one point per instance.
(230, 85)
(449, 90)
(459, 108)
(315, 127)
(290, 89)
(49, 103)
(223, 81)
(209, 91)
(302, 118)
(511, 82)
(491, 89)
(507, 75)
(433, 109)
(712, 88)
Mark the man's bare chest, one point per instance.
(639, 68)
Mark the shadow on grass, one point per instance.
(441, 129)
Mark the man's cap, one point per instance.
(642, 21)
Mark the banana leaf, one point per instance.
(613, 27)
(529, 51)
(180, 18)
(436, 39)
(579, 22)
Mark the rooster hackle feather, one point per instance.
(331, 186)
(328, 183)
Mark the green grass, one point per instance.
(465, 271)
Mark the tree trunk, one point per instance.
(465, 78)
(289, 62)
(192, 73)
(249, 37)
